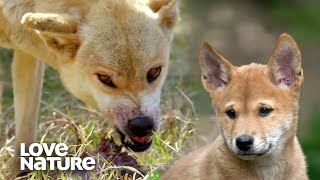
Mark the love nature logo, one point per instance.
(32, 160)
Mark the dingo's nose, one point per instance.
(141, 126)
(244, 142)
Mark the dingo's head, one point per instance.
(116, 59)
(256, 105)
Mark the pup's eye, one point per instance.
(231, 113)
(106, 80)
(153, 74)
(264, 111)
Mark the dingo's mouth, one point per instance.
(252, 155)
(136, 144)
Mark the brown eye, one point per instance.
(153, 74)
(231, 113)
(264, 111)
(106, 80)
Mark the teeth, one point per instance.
(128, 140)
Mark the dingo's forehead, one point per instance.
(124, 37)
(123, 26)
(251, 86)
(251, 80)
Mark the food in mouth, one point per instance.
(136, 144)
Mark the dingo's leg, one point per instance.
(27, 76)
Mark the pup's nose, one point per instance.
(244, 142)
(141, 126)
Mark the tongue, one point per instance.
(141, 140)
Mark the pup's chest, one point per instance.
(271, 172)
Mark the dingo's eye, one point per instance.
(153, 74)
(264, 111)
(231, 113)
(106, 80)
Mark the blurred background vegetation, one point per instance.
(243, 32)
(246, 31)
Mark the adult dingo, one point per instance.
(111, 54)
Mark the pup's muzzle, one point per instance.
(248, 148)
(244, 142)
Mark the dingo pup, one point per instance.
(111, 54)
(257, 111)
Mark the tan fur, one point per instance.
(278, 154)
(80, 38)
(27, 75)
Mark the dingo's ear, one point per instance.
(285, 62)
(65, 45)
(168, 12)
(58, 31)
(216, 70)
(48, 22)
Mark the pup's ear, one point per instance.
(168, 12)
(285, 62)
(58, 31)
(216, 71)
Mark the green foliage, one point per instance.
(301, 19)
(311, 146)
(5, 75)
